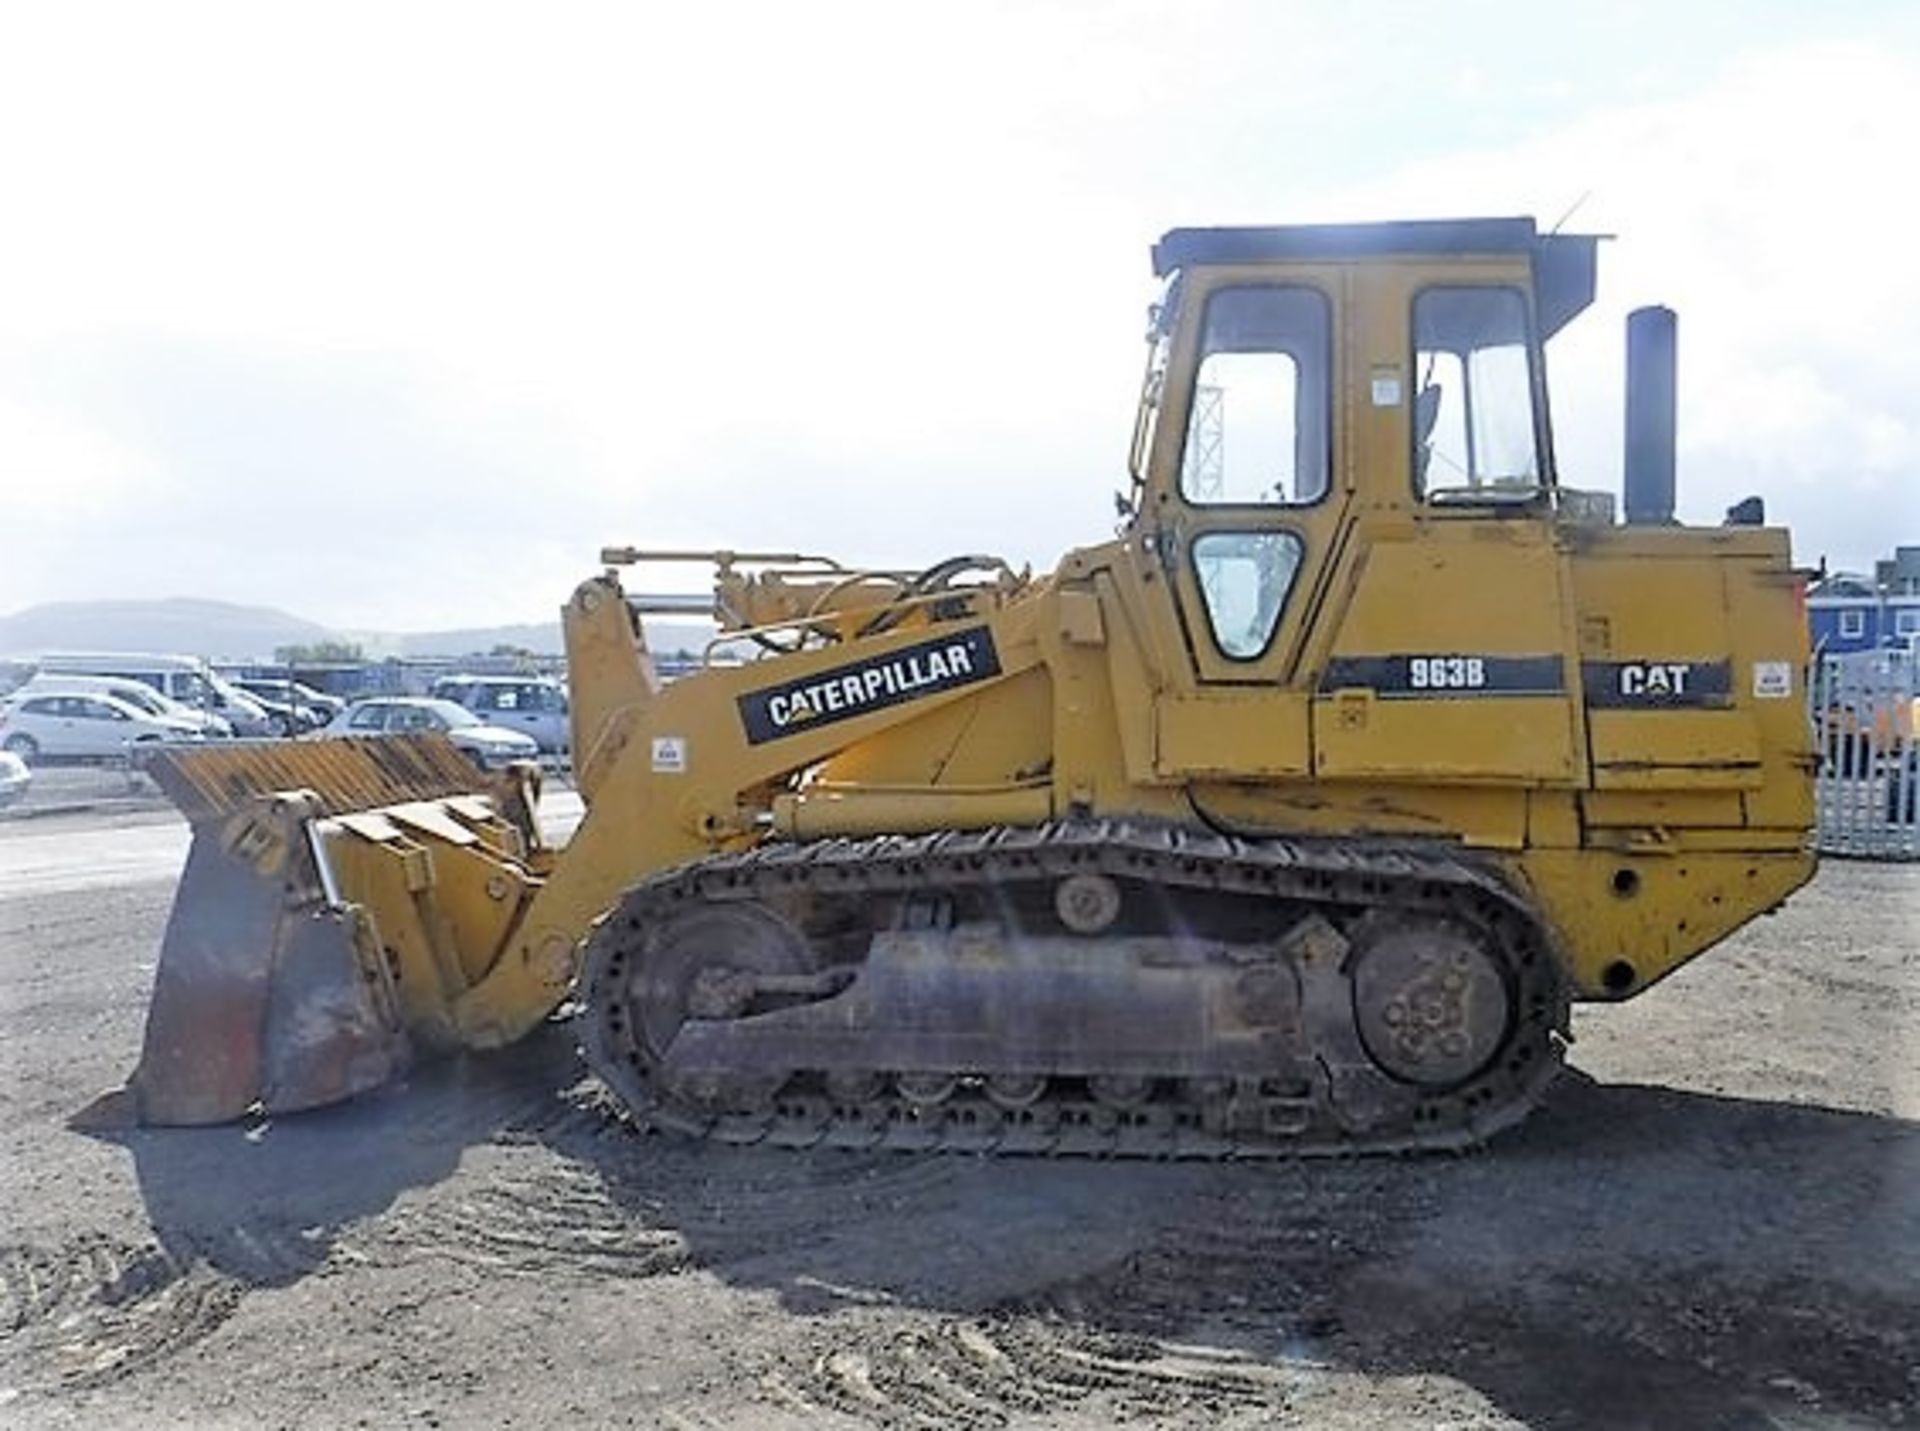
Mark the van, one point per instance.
(531, 705)
(134, 693)
(186, 679)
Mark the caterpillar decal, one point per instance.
(861, 687)
(1657, 685)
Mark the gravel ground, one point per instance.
(1714, 1222)
(61, 789)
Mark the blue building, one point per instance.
(1868, 613)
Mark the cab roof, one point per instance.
(1563, 264)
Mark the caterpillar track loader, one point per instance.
(1291, 819)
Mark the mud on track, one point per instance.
(1716, 1223)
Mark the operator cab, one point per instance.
(1255, 341)
(1299, 377)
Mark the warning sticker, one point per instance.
(669, 754)
(1772, 680)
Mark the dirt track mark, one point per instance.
(987, 1373)
(1225, 1313)
(1281, 1279)
(736, 1203)
(95, 1310)
(521, 1225)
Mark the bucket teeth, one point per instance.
(343, 775)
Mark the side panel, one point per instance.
(1693, 653)
(1450, 661)
(1231, 734)
(1655, 648)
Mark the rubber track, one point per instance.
(1352, 875)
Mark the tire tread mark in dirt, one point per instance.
(522, 1226)
(1132, 1341)
(94, 1310)
(988, 1373)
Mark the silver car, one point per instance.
(486, 745)
(133, 692)
(532, 705)
(315, 708)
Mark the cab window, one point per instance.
(1244, 580)
(1473, 418)
(1260, 413)
(368, 717)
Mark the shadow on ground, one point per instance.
(1631, 1256)
(263, 1201)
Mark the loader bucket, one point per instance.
(271, 991)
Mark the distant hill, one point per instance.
(223, 631)
(218, 629)
(543, 639)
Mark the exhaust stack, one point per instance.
(1652, 354)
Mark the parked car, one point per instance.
(186, 679)
(183, 678)
(319, 706)
(137, 693)
(249, 715)
(291, 715)
(83, 727)
(286, 713)
(532, 705)
(14, 778)
(486, 745)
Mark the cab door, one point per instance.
(1445, 652)
(1253, 493)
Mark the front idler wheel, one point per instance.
(710, 963)
(1432, 1000)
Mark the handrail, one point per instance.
(813, 621)
(725, 560)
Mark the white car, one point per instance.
(14, 778)
(486, 745)
(84, 727)
(133, 692)
(186, 679)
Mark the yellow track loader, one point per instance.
(1292, 819)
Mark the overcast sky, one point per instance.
(392, 315)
